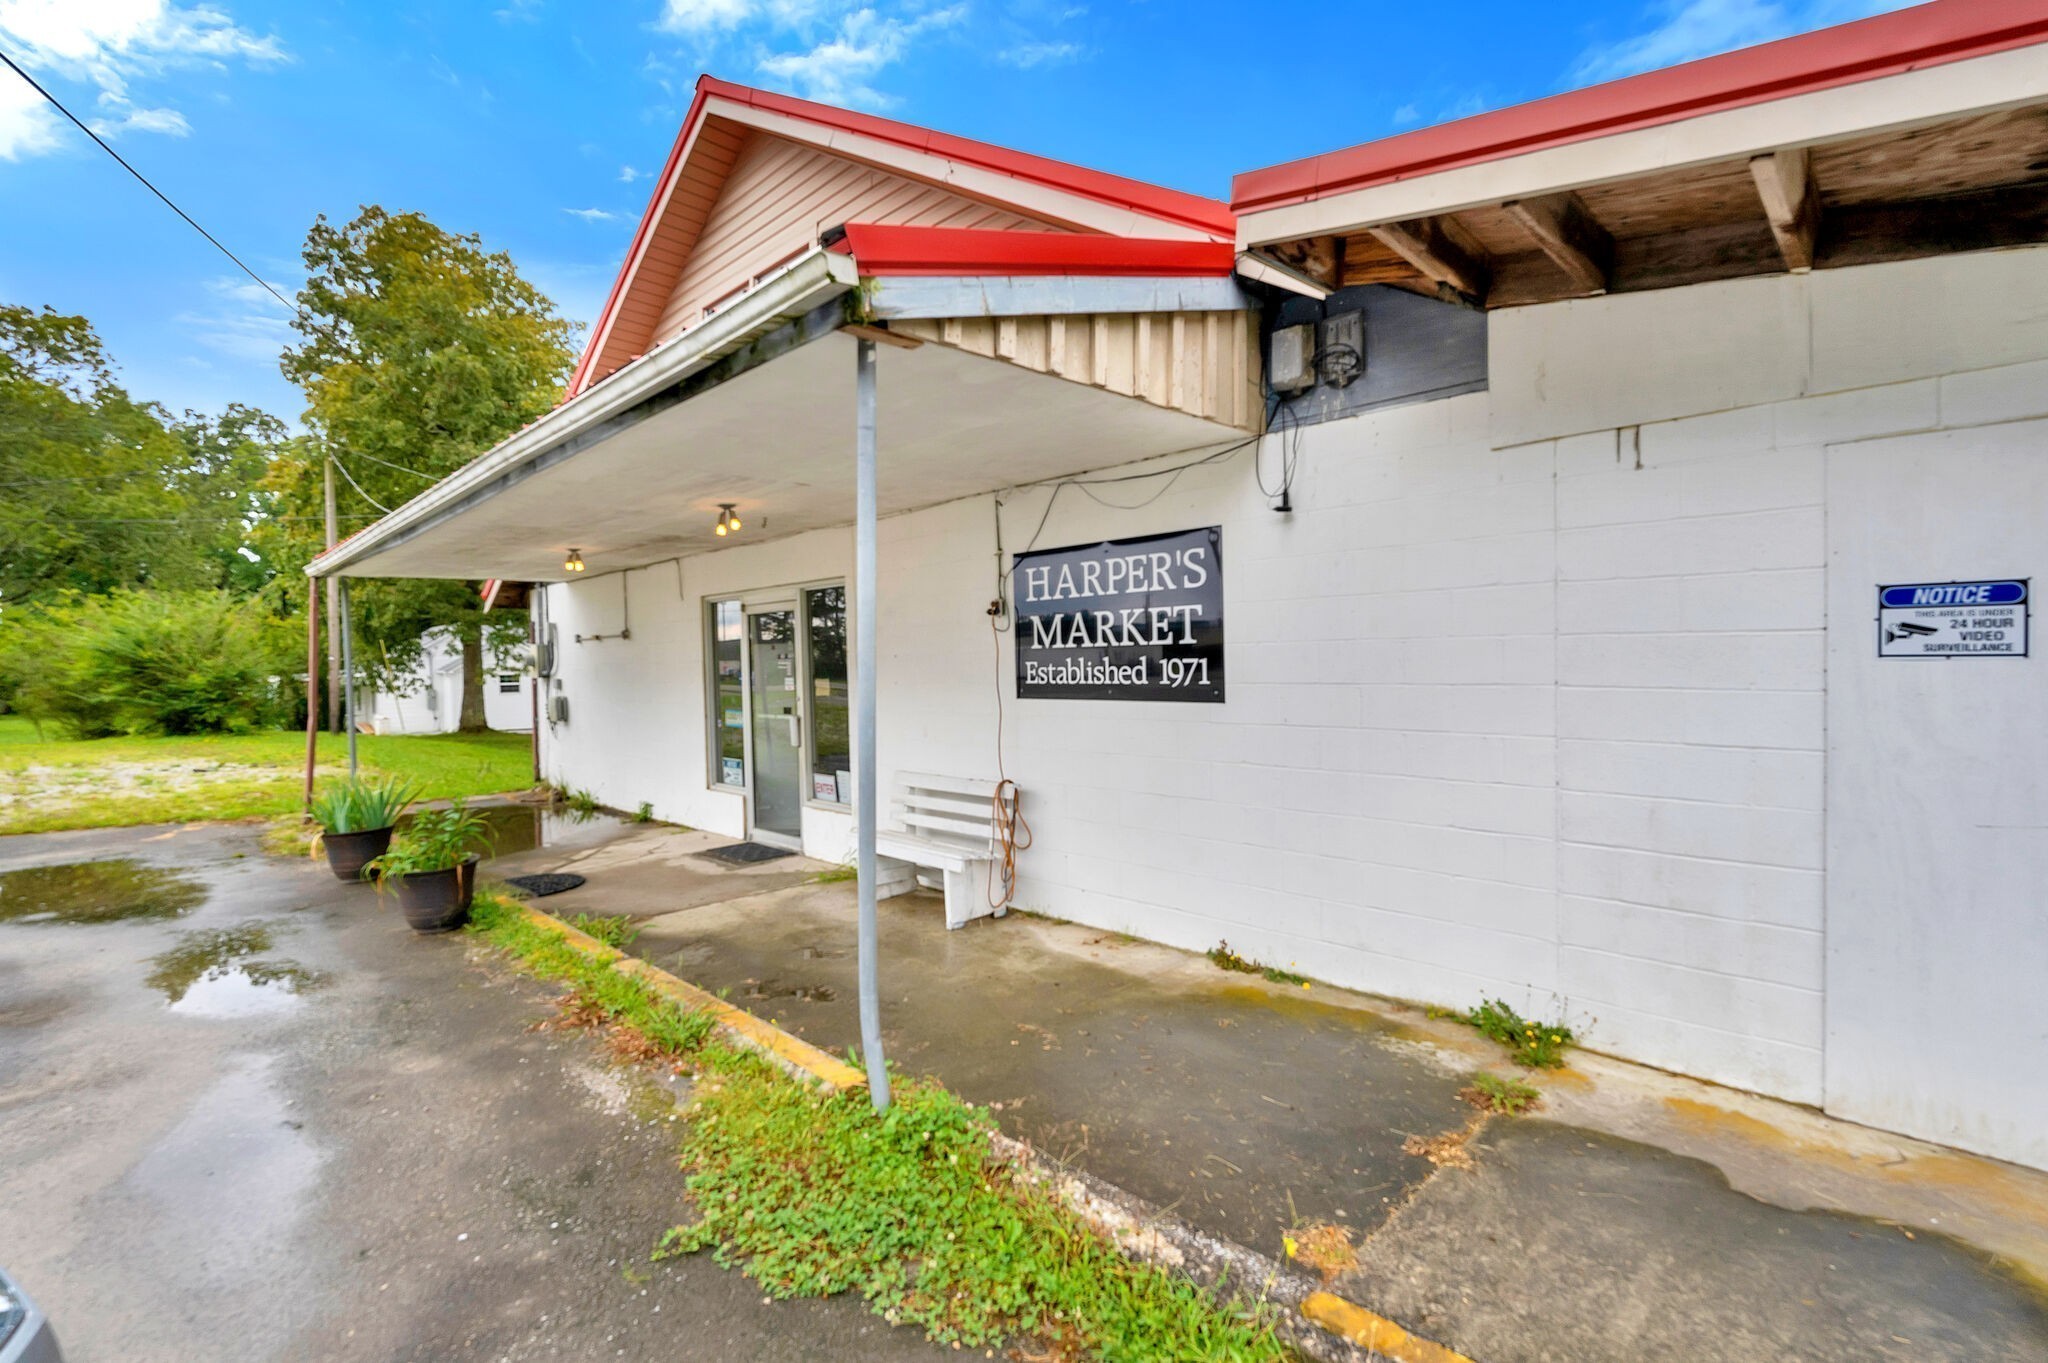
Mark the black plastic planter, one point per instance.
(348, 853)
(437, 901)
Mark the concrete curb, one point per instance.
(1319, 1324)
(793, 1055)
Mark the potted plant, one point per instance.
(432, 864)
(356, 815)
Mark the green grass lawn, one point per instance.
(102, 782)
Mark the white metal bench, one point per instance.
(948, 824)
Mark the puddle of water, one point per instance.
(512, 829)
(97, 892)
(776, 989)
(211, 974)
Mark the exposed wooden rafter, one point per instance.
(1570, 235)
(1443, 250)
(1784, 181)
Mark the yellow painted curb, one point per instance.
(1375, 1332)
(791, 1052)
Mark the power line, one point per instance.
(59, 106)
(358, 486)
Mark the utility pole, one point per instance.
(333, 613)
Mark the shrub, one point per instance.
(144, 662)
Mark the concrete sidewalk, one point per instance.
(1637, 1216)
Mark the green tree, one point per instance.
(419, 350)
(99, 491)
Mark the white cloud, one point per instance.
(28, 125)
(698, 16)
(627, 175)
(246, 324)
(1027, 55)
(1405, 115)
(169, 122)
(840, 69)
(518, 12)
(592, 214)
(1682, 30)
(109, 44)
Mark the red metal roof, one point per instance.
(1886, 45)
(1190, 210)
(880, 249)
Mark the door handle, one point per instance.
(796, 739)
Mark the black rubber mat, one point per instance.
(543, 885)
(747, 853)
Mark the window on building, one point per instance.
(831, 735)
(726, 627)
(508, 683)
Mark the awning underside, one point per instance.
(778, 442)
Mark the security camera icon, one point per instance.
(1907, 630)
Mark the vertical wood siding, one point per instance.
(1205, 363)
(779, 196)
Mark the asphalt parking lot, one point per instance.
(246, 1115)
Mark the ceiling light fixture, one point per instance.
(728, 523)
(574, 563)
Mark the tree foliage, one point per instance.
(99, 491)
(418, 351)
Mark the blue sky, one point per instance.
(536, 122)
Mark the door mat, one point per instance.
(543, 885)
(747, 853)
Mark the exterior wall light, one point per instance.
(574, 563)
(728, 523)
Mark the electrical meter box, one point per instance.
(1340, 348)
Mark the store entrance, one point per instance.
(776, 706)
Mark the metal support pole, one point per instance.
(312, 684)
(348, 674)
(864, 715)
(333, 608)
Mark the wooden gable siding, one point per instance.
(1204, 363)
(776, 199)
(712, 154)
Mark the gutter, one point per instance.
(815, 279)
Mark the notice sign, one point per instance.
(1953, 620)
(1137, 619)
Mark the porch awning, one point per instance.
(755, 407)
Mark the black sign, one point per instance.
(1138, 619)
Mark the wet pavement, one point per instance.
(1641, 1216)
(246, 1115)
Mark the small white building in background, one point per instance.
(1624, 508)
(431, 701)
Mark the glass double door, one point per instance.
(776, 726)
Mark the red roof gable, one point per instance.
(1889, 44)
(602, 352)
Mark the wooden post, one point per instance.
(312, 683)
(333, 608)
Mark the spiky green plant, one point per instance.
(362, 804)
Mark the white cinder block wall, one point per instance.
(1527, 697)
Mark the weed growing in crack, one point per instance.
(1491, 1093)
(1532, 1044)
